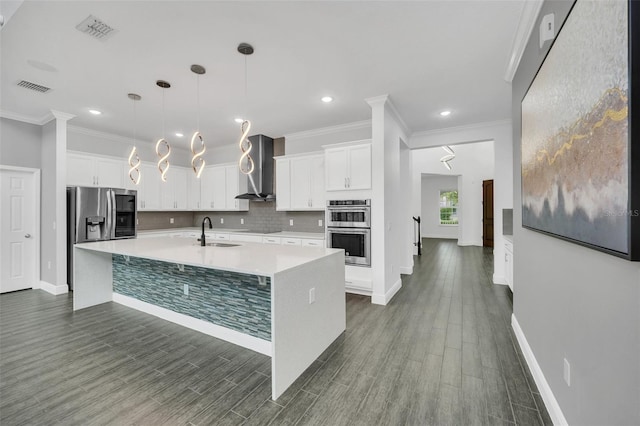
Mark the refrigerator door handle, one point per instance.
(111, 214)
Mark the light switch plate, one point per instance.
(241, 221)
(547, 28)
(290, 222)
(222, 220)
(566, 373)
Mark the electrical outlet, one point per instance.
(241, 221)
(290, 222)
(137, 221)
(312, 295)
(170, 220)
(319, 222)
(222, 220)
(567, 372)
(186, 289)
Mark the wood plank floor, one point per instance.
(441, 353)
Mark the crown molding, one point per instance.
(26, 118)
(528, 18)
(329, 130)
(387, 102)
(467, 127)
(59, 115)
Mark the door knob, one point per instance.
(27, 236)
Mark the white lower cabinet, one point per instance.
(272, 240)
(246, 238)
(312, 243)
(291, 242)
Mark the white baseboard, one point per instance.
(406, 270)
(550, 401)
(259, 345)
(440, 237)
(383, 299)
(358, 291)
(52, 288)
(464, 243)
(499, 279)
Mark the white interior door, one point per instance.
(19, 230)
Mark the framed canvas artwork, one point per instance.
(580, 162)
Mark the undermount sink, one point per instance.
(218, 245)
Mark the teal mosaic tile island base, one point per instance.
(228, 299)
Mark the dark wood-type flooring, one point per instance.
(441, 353)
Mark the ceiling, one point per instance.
(428, 56)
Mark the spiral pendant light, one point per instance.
(163, 149)
(197, 161)
(245, 163)
(134, 160)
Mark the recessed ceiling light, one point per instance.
(95, 112)
(445, 113)
(238, 120)
(326, 99)
(178, 134)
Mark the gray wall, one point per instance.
(575, 303)
(262, 216)
(20, 143)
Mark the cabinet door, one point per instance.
(167, 190)
(335, 169)
(232, 189)
(193, 191)
(110, 173)
(283, 184)
(80, 170)
(214, 188)
(180, 188)
(300, 184)
(149, 191)
(359, 167)
(317, 194)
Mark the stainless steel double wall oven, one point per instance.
(349, 228)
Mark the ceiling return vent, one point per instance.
(33, 86)
(96, 28)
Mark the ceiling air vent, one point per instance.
(33, 86)
(96, 28)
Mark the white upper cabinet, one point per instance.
(236, 184)
(300, 182)
(348, 167)
(219, 186)
(173, 192)
(283, 183)
(193, 191)
(149, 187)
(89, 170)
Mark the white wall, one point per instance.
(430, 210)
(473, 163)
(95, 142)
(500, 132)
(313, 140)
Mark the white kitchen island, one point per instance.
(232, 293)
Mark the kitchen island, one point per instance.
(282, 301)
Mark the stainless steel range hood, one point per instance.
(260, 181)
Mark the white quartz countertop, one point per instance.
(285, 234)
(248, 258)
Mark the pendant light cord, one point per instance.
(198, 100)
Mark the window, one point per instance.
(448, 207)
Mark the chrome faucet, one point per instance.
(202, 239)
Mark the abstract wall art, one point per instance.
(579, 160)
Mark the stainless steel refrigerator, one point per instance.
(98, 214)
